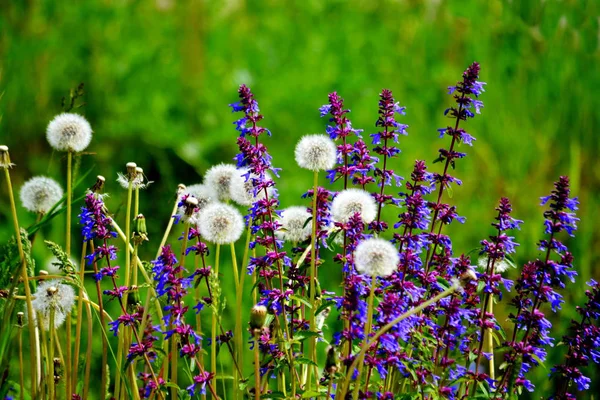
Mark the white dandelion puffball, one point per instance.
(316, 153)
(40, 193)
(351, 201)
(219, 178)
(241, 189)
(220, 223)
(499, 265)
(294, 225)
(69, 132)
(53, 295)
(376, 257)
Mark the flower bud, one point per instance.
(5, 157)
(140, 233)
(258, 316)
(331, 362)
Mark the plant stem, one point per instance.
(169, 225)
(21, 379)
(79, 319)
(88, 356)
(312, 287)
(213, 333)
(68, 356)
(257, 393)
(69, 200)
(491, 341)
(239, 294)
(50, 359)
(24, 276)
(367, 333)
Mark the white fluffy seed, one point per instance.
(220, 223)
(69, 132)
(295, 225)
(376, 257)
(351, 201)
(316, 153)
(40, 193)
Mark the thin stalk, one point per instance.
(367, 344)
(79, 319)
(238, 321)
(367, 333)
(24, 275)
(312, 287)
(69, 201)
(169, 226)
(44, 352)
(50, 360)
(88, 356)
(68, 358)
(213, 333)
(491, 341)
(257, 393)
(21, 366)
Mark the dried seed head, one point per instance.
(69, 132)
(243, 187)
(219, 178)
(295, 224)
(53, 295)
(376, 257)
(99, 185)
(40, 193)
(220, 223)
(316, 153)
(351, 201)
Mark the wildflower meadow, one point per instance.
(409, 317)
(323, 199)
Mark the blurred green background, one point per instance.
(159, 74)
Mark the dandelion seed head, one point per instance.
(316, 153)
(220, 223)
(376, 257)
(242, 190)
(40, 193)
(219, 178)
(5, 157)
(500, 266)
(53, 295)
(295, 225)
(351, 201)
(69, 132)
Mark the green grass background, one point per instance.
(159, 74)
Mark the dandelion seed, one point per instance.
(5, 158)
(219, 178)
(376, 257)
(316, 153)
(69, 132)
(220, 223)
(242, 190)
(351, 201)
(53, 295)
(40, 193)
(135, 175)
(294, 224)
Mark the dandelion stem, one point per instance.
(257, 393)
(79, 319)
(313, 275)
(24, 277)
(69, 200)
(88, 356)
(21, 366)
(361, 357)
(50, 360)
(68, 358)
(169, 226)
(213, 334)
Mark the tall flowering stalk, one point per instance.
(388, 108)
(537, 285)
(254, 156)
(466, 93)
(583, 342)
